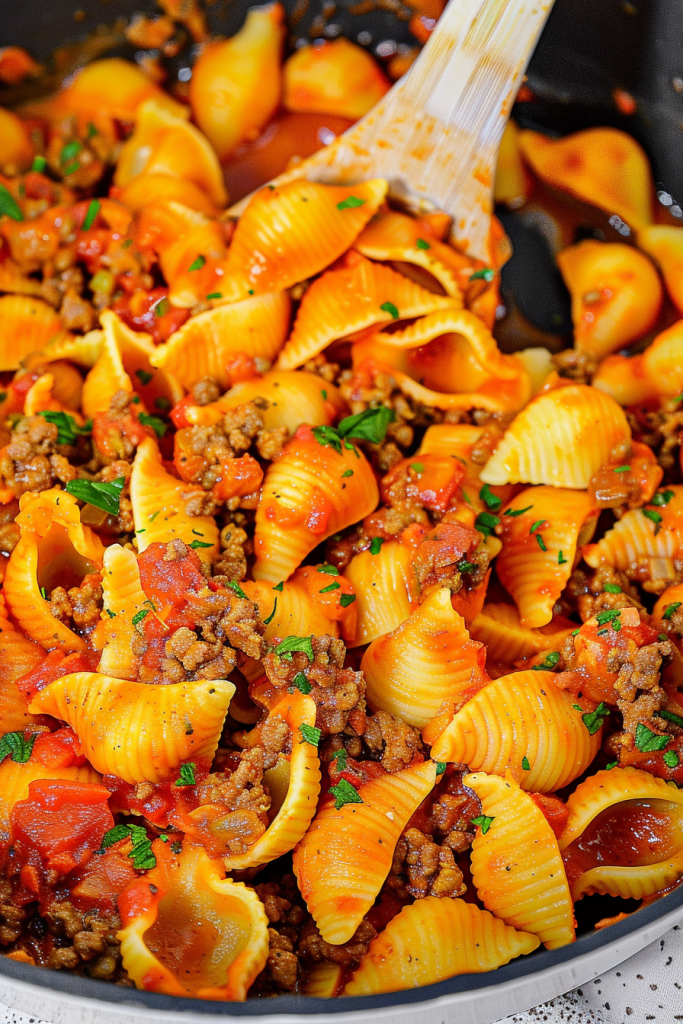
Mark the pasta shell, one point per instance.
(41, 511)
(289, 233)
(540, 547)
(664, 244)
(158, 506)
(516, 866)
(84, 349)
(602, 166)
(295, 612)
(28, 325)
(456, 441)
(305, 501)
(337, 78)
(498, 627)
(561, 438)
(106, 378)
(386, 590)
(115, 86)
(637, 536)
(663, 361)
(16, 778)
(165, 143)
(147, 190)
(513, 182)
(16, 148)
(195, 933)
(396, 236)
(659, 869)
(138, 732)
(123, 599)
(616, 294)
(523, 715)
(188, 287)
(425, 661)
(344, 301)
(324, 980)
(294, 397)
(451, 936)
(155, 385)
(623, 378)
(344, 858)
(205, 344)
(296, 812)
(39, 398)
(18, 655)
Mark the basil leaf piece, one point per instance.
(290, 644)
(104, 496)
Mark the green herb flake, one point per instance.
(421, 244)
(602, 618)
(484, 822)
(327, 436)
(525, 764)
(486, 523)
(14, 745)
(215, 295)
(94, 207)
(332, 586)
(144, 376)
(654, 517)
(440, 768)
(324, 394)
(196, 544)
(279, 586)
(517, 511)
(346, 599)
(537, 525)
(648, 741)
(612, 588)
(198, 263)
(466, 566)
(43, 594)
(418, 467)
(39, 164)
(541, 542)
(330, 570)
(369, 425)
(310, 734)
(376, 545)
(68, 430)
(72, 168)
(236, 588)
(622, 469)
(104, 496)
(162, 403)
(290, 644)
(70, 150)
(611, 765)
(391, 309)
(549, 663)
(350, 203)
(344, 793)
(92, 130)
(187, 774)
(671, 758)
(662, 498)
(139, 616)
(267, 622)
(671, 716)
(347, 472)
(491, 500)
(141, 854)
(110, 613)
(561, 560)
(302, 684)
(670, 609)
(157, 425)
(485, 274)
(162, 307)
(593, 720)
(662, 637)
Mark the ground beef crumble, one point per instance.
(33, 460)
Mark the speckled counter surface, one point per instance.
(648, 987)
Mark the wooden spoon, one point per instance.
(436, 133)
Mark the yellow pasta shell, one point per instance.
(434, 939)
(533, 576)
(16, 778)
(198, 908)
(517, 867)
(123, 599)
(296, 812)
(306, 499)
(136, 350)
(344, 858)
(107, 376)
(153, 189)
(28, 325)
(664, 243)
(205, 344)
(84, 349)
(291, 232)
(425, 661)
(140, 733)
(498, 627)
(561, 438)
(18, 655)
(636, 536)
(188, 287)
(623, 378)
(324, 980)
(342, 302)
(523, 715)
(296, 613)
(153, 490)
(663, 360)
(386, 589)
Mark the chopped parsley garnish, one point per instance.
(110, 613)
(670, 609)
(13, 745)
(537, 525)
(612, 588)
(485, 274)
(157, 425)
(290, 644)
(622, 469)
(344, 793)
(525, 764)
(550, 662)
(187, 774)
(332, 586)
(347, 472)
(418, 467)
(301, 682)
(421, 244)
(466, 566)
(484, 822)
(324, 394)
(161, 307)
(346, 599)
(90, 214)
(104, 496)
(369, 425)
(310, 734)
(350, 203)
(236, 588)
(391, 309)
(491, 500)
(196, 544)
(215, 295)
(611, 765)
(670, 716)
(68, 430)
(162, 403)
(340, 757)
(541, 542)
(517, 511)
(43, 593)
(671, 758)
(325, 435)
(610, 615)
(440, 768)
(561, 560)
(144, 377)
(331, 570)
(70, 151)
(141, 854)
(376, 545)
(198, 263)
(593, 720)
(486, 523)
(267, 622)
(648, 741)
(39, 164)
(662, 498)
(279, 586)
(654, 517)
(139, 616)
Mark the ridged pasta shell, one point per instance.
(535, 561)
(305, 501)
(664, 243)
(456, 440)
(296, 614)
(498, 627)
(147, 190)
(113, 86)
(452, 937)
(623, 378)
(636, 536)
(324, 980)
(140, 733)
(123, 598)
(344, 858)
(294, 397)
(602, 166)
(523, 715)
(16, 147)
(84, 349)
(158, 506)
(40, 511)
(425, 661)
(296, 812)
(39, 398)
(289, 233)
(561, 438)
(516, 866)
(663, 361)
(395, 236)
(342, 302)
(604, 790)
(18, 655)
(164, 143)
(386, 590)
(198, 934)
(28, 325)
(107, 376)
(204, 345)
(16, 778)
(188, 287)
(136, 350)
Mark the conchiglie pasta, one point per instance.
(664, 244)
(205, 344)
(187, 931)
(289, 233)
(457, 441)
(107, 376)
(425, 661)
(516, 865)
(347, 300)
(28, 325)
(296, 609)
(434, 939)
(498, 627)
(18, 655)
(632, 866)
(150, 189)
(16, 778)
(136, 350)
(636, 536)
(632, 380)
(336, 77)
(540, 547)
(305, 501)
(158, 502)
(521, 716)
(84, 349)
(344, 858)
(16, 148)
(324, 980)
(112, 88)
(561, 438)
(189, 284)
(140, 733)
(386, 589)
(123, 599)
(663, 361)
